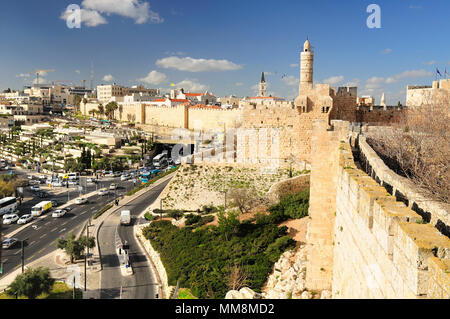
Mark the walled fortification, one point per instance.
(362, 241)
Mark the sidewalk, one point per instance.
(58, 262)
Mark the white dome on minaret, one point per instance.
(307, 46)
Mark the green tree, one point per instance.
(110, 108)
(74, 247)
(31, 283)
(228, 222)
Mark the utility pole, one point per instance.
(85, 258)
(160, 206)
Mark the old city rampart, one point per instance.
(362, 241)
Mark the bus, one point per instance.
(160, 160)
(40, 208)
(8, 205)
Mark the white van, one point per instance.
(125, 217)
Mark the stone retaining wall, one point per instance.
(155, 258)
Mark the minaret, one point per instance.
(262, 86)
(383, 102)
(306, 68)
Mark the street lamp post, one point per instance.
(23, 254)
(86, 254)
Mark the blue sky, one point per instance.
(224, 46)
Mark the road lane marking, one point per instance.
(73, 217)
(42, 236)
(62, 230)
(63, 224)
(17, 252)
(54, 229)
(32, 242)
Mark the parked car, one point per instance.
(91, 180)
(10, 218)
(9, 242)
(73, 182)
(113, 186)
(54, 203)
(25, 219)
(81, 200)
(42, 194)
(35, 188)
(34, 182)
(117, 174)
(59, 213)
(103, 192)
(57, 183)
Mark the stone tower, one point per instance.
(306, 67)
(262, 86)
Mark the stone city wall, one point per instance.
(381, 247)
(432, 211)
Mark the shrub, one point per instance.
(290, 206)
(149, 217)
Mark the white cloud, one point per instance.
(387, 51)
(334, 80)
(155, 78)
(294, 65)
(290, 80)
(191, 85)
(374, 83)
(239, 84)
(90, 18)
(92, 10)
(108, 78)
(412, 74)
(415, 7)
(23, 75)
(196, 65)
(134, 9)
(354, 82)
(41, 80)
(77, 71)
(432, 62)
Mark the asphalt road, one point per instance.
(142, 284)
(41, 235)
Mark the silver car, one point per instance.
(25, 219)
(9, 242)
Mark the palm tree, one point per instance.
(101, 109)
(110, 109)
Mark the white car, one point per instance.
(103, 192)
(81, 200)
(25, 219)
(10, 218)
(112, 186)
(125, 177)
(35, 188)
(59, 213)
(57, 184)
(9, 242)
(73, 182)
(89, 180)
